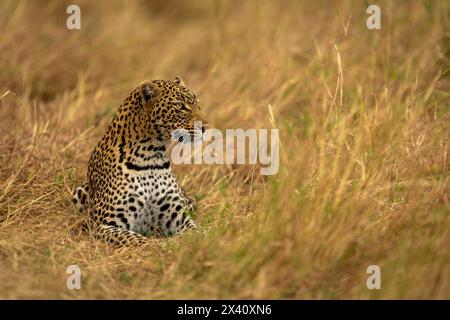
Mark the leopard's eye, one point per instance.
(182, 106)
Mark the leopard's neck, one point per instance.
(146, 154)
(136, 149)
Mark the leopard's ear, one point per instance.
(179, 81)
(147, 92)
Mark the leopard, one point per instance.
(131, 194)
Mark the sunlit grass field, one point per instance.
(364, 140)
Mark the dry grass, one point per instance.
(364, 125)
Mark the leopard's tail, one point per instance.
(80, 197)
(120, 237)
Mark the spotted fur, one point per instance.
(130, 191)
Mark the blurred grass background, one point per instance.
(364, 125)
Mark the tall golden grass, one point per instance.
(364, 126)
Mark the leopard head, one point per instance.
(172, 109)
